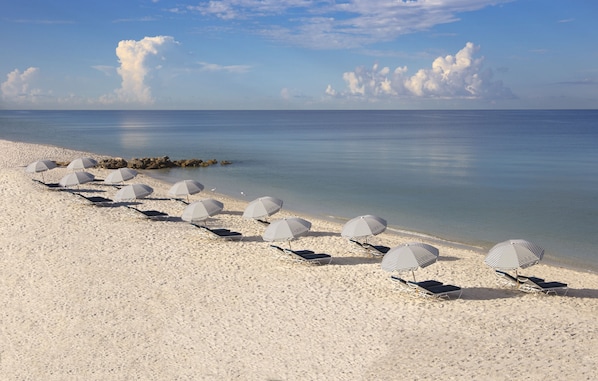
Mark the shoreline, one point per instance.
(103, 294)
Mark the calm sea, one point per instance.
(474, 177)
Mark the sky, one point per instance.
(298, 54)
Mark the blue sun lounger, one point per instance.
(307, 256)
(225, 234)
(428, 288)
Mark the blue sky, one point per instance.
(299, 54)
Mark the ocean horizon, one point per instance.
(473, 177)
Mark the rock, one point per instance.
(113, 163)
(151, 163)
(156, 163)
(188, 163)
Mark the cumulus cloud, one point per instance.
(339, 24)
(459, 76)
(134, 58)
(18, 86)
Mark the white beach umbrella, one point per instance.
(120, 175)
(409, 257)
(185, 188)
(76, 178)
(363, 226)
(286, 229)
(82, 163)
(40, 166)
(132, 192)
(202, 210)
(514, 254)
(262, 207)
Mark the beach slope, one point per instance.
(90, 293)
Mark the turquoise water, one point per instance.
(476, 177)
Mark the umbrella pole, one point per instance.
(413, 272)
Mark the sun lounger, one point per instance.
(96, 200)
(373, 250)
(427, 288)
(431, 289)
(530, 284)
(52, 186)
(151, 214)
(505, 279)
(534, 284)
(307, 256)
(225, 234)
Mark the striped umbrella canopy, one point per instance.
(82, 163)
(286, 229)
(262, 207)
(363, 226)
(76, 178)
(409, 257)
(202, 210)
(120, 175)
(185, 188)
(133, 192)
(514, 254)
(41, 166)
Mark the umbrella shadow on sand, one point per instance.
(322, 234)
(487, 293)
(582, 293)
(444, 258)
(353, 261)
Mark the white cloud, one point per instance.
(108, 70)
(339, 25)
(135, 67)
(461, 76)
(205, 66)
(18, 86)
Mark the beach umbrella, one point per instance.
(514, 254)
(82, 163)
(120, 175)
(363, 226)
(262, 207)
(185, 188)
(409, 257)
(133, 192)
(202, 210)
(40, 166)
(286, 229)
(76, 178)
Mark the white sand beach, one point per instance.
(90, 293)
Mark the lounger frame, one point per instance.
(372, 250)
(221, 233)
(530, 284)
(302, 256)
(427, 288)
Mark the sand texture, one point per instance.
(90, 293)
